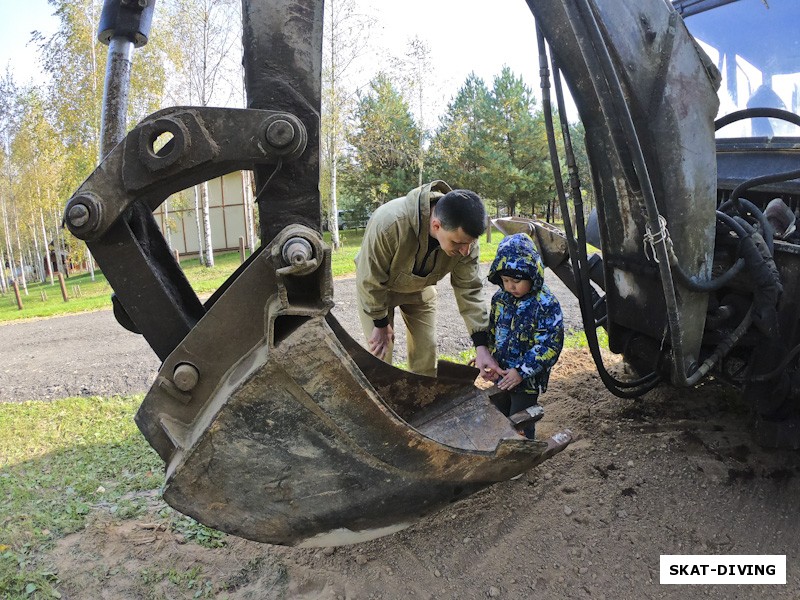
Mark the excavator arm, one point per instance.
(697, 272)
(273, 423)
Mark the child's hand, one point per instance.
(509, 380)
(490, 374)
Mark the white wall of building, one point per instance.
(227, 211)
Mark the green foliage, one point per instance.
(518, 147)
(458, 152)
(494, 142)
(192, 531)
(384, 146)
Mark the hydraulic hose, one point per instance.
(577, 248)
(693, 284)
(612, 103)
(736, 201)
(611, 99)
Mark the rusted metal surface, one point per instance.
(115, 93)
(282, 42)
(112, 210)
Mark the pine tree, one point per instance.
(383, 159)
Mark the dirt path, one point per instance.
(91, 355)
(675, 473)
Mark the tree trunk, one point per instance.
(91, 262)
(249, 217)
(167, 235)
(62, 268)
(39, 258)
(7, 230)
(21, 262)
(207, 224)
(200, 253)
(3, 282)
(334, 219)
(49, 263)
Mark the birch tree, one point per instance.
(9, 124)
(75, 61)
(345, 39)
(417, 78)
(204, 33)
(39, 156)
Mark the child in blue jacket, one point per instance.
(526, 326)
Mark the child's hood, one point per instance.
(517, 256)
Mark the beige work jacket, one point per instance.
(393, 258)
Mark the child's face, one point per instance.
(516, 287)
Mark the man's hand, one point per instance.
(509, 380)
(380, 340)
(486, 364)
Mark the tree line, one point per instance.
(378, 140)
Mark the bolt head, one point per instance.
(78, 215)
(280, 133)
(185, 377)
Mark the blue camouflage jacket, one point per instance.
(525, 333)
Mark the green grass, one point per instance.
(57, 461)
(86, 295)
(577, 339)
(61, 460)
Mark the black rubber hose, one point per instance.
(754, 113)
(779, 369)
(623, 389)
(737, 201)
(594, 50)
(693, 284)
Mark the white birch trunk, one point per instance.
(200, 253)
(9, 248)
(47, 249)
(91, 262)
(207, 224)
(3, 282)
(33, 264)
(21, 262)
(39, 257)
(167, 236)
(247, 198)
(334, 220)
(62, 268)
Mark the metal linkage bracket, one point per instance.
(169, 151)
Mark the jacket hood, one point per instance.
(517, 257)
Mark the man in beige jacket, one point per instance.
(411, 243)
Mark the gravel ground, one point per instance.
(91, 355)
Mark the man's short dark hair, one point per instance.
(464, 209)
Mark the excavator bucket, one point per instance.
(273, 423)
(294, 434)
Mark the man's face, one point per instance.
(454, 243)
